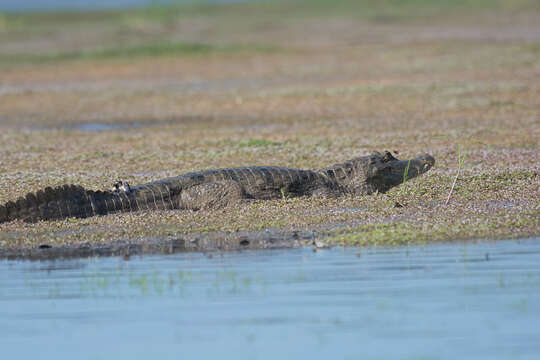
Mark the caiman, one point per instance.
(377, 172)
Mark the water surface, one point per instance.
(457, 301)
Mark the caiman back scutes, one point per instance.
(363, 175)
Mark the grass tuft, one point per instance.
(258, 143)
(461, 161)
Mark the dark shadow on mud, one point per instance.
(267, 239)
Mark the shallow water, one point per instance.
(96, 127)
(453, 301)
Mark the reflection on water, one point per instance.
(476, 301)
(92, 127)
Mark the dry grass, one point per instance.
(334, 87)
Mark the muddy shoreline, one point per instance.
(270, 239)
(207, 243)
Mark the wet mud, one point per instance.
(244, 240)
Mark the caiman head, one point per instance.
(378, 172)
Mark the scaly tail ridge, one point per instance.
(59, 203)
(75, 201)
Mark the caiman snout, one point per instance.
(426, 162)
(397, 171)
(408, 169)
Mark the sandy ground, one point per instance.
(301, 92)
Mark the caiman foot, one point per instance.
(213, 195)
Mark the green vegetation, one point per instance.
(153, 31)
(152, 49)
(258, 143)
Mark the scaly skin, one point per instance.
(221, 187)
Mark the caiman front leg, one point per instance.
(212, 195)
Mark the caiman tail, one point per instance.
(73, 201)
(55, 203)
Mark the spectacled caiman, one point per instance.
(377, 172)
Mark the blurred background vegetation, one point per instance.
(193, 27)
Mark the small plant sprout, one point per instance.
(405, 178)
(283, 195)
(406, 173)
(461, 161)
